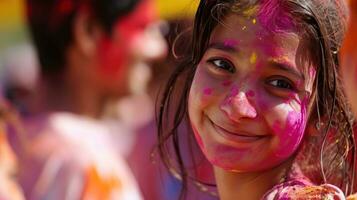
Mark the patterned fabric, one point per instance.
(298, 187)
(297, 190)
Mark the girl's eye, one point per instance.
(222, 64)
(281, 83)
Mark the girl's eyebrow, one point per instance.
(228, 47)
(287, 67)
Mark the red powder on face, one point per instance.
(208, 91)
(227, 83)
(138, 20)
(112, 59)
(117, 50)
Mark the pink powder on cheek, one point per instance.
(261, 102)
(234, 90)
(291, 135)
(207, 91)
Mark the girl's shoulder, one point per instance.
(303, 190)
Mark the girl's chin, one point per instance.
(237, 169)
(233, 166)
(246, 166)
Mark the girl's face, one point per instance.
(248, 103)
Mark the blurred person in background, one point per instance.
(9, 188)
(349, 57)
(158, 184)
(89, 53)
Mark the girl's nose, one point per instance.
(238, 107)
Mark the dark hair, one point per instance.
(51, 25)
(321, 25)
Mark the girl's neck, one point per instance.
(248, 185)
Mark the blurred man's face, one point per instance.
(135, 39)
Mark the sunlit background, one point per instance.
(12, 28)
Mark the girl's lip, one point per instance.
(236, 136)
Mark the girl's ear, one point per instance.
(86, 33)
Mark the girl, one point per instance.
(262, 95)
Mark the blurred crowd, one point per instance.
(78, 99)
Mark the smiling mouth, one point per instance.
(236, 136)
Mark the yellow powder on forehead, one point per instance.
(253, 58)
(254, 21)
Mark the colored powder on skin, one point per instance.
(254, 21)
(227, 83)
(226, 156)
(294, 127)
(274, 18)
(234, 91)
(113, 59)
(259, 66)
(243, 107)
(207, 91)
(253, 58)
(250, 93)
(230, 43)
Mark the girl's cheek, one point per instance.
(289, 126)
(204, 87)
(291, 136)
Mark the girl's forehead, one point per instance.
(245, 34)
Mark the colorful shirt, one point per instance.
(72, 157)
(299, 187)
(299, 190)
